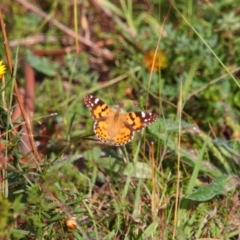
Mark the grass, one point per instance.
(178, 178)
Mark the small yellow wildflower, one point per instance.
(2, 69)
(160, 60)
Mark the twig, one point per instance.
(98, 51)
(28, 104)
(28, 127)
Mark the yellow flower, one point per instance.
(160, 60)
(2, 69)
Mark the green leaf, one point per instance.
(151, 229)
(138, 169)
(42, 64)
(220, 185)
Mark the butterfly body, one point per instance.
(114, 127)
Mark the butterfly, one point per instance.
(113, 127)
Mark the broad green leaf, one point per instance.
(42, 64)
(220, 185)
(151, 229)
(138, 169)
